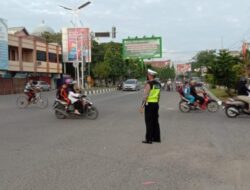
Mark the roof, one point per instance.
(15, 30)
(41, 29)
(159, 64)
(22, 31)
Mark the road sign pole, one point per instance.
(83, 65)
(77, 58)
(83, 61)
(78, 73)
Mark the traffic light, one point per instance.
(102, 34)
(113, 32)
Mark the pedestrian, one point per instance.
(150, 106)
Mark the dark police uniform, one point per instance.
(152, 112)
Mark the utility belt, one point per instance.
(151, 103)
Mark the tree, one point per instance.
(166, 73)
(110, 54)
(134, 68)
(203, 59)
(102, 71)
(97, 53)
(52, 38)
(242, 68)
(113, 58)
(223, 70)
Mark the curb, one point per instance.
(99, 91)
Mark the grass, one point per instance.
(221, 93)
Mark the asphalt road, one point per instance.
(199, 150)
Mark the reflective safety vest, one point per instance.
(154, 92)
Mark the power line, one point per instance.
(239, 41)
(181, 52)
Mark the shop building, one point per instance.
(30, 57)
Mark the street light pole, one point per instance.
(77, 58)
(75, 12)
(83, 61)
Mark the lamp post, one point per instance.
(75, 12)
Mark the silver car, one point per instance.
(131, 84)
(44, 86)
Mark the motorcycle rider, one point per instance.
(187, 93)
(169, 85)
(63, 93)
(243, 92)
(74, 96)
(119, 85)
(194, 92)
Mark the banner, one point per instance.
(76, 44)
(144, 48)
(183, 68)
(4, 61)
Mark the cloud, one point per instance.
(152, 1)
(232, 20)
(183, 25)
(199, 8)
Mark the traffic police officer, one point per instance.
(150, 104)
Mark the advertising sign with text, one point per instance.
(76, 44)
(183, 68)
(144, 48)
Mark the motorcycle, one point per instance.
(169, 87)
(120, 85)
(209, 104)
(235, 107)
(62, 110)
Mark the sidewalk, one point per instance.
(98, 91)
(90, 91)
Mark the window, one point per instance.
(52, 57)
(41, 56)
(13, 53)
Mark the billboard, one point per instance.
(183, 68)
(144, 48)
(3, 45)
(76, 44)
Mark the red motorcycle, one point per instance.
(209, 104)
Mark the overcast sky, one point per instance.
(186, 26)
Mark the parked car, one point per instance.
(131, 84)
(44, 86)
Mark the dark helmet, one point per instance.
(243, 80)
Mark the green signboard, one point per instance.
(143, 48)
